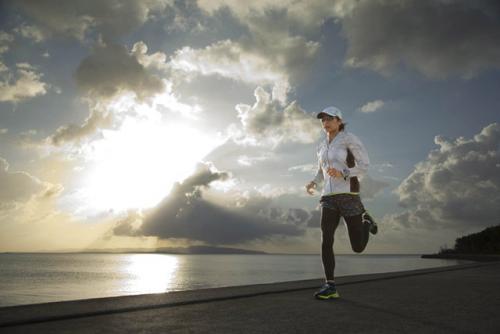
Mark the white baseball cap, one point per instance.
(331, 111)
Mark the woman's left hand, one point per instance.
(334, 172)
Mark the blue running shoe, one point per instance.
(367, 219)
(327, 291)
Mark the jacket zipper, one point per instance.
(328, 160)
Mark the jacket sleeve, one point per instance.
(319, 177)
(360, 155)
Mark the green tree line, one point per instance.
(485, 242)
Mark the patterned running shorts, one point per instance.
(346, 204)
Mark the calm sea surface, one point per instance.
(39, 278)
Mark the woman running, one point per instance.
(341, 159)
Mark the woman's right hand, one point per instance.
(310, 187)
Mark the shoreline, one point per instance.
(459, 256)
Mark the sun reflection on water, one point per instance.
(151, 273)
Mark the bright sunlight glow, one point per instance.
(137, 165)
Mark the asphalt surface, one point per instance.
(455, 299)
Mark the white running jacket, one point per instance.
(334, 155)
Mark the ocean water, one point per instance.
(39, 278)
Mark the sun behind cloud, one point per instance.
(136, 166)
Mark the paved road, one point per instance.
(458, 299)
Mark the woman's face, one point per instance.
(330, 123)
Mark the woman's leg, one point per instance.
(329, 221)
(359, 232)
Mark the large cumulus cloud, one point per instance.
(185, 214)
(457, 186)
(437, 38)
(266, 122)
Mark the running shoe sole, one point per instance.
(330, 296)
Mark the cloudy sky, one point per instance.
(171, 123)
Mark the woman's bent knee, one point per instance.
(358, 248)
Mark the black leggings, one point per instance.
(358, 235)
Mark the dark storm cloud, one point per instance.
(457, 186)
(111, 69)
(184, 214)
(438, 38)
(207, 222)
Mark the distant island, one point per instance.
(206, 250)
(162, 250)
(481, 246)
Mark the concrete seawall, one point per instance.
(456, 299)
